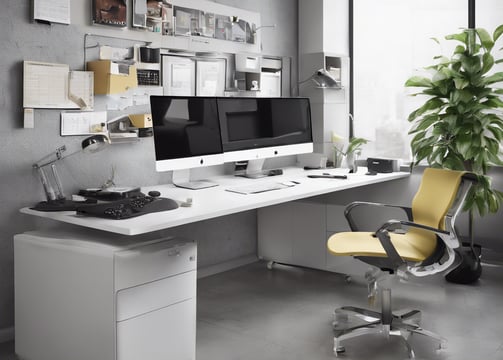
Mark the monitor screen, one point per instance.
(254, 128)
(186, 132)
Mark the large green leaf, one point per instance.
(494, 78)
(425, 123)
(485, 39)
(461, 83)
(459, 37)
(471, 64)
(497, 33)
(488, 62)
(418, 81)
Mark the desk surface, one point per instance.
(216, 201)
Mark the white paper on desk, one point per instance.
(45, 85)
(52, 10)
(81, 89)
(83, 123)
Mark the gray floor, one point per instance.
(252, 313)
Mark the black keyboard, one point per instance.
(148, 77)
(128, 208)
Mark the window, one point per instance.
(392, 40)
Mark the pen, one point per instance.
(328, 176)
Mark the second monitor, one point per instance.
(255, 129)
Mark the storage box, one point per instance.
(111, 77)
(141, 120)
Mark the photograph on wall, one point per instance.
(250, 33)
(140, 14)
(167, 19)
(223, 27)
(207, 24)
(110, 12)
(186, 20)
(239, 30)
(154, 16)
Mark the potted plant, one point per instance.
(460, 125)
(353, 150)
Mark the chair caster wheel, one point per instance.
(339, 350)
(270, 265)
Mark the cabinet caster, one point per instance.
(270, 265)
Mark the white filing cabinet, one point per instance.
(296, 233)
(96, 296)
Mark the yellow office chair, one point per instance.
(422, 245)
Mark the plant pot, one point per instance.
(350, 162)
(470, 269)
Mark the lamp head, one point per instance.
(95, 143)
(322, 78)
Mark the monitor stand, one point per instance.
(254, 170)
(181, 178)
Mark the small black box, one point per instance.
(382, 165)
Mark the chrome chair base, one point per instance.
(350, 322)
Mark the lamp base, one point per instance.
(61, 205)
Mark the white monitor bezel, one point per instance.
(189, 162)
(268, 152)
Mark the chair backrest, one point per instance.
(435, 196)
(437, 203)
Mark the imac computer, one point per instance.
(254, 129)
(186, 135)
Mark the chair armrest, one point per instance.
(389, 248)
(355, 204)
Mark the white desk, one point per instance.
(82, 284)
(216, 201)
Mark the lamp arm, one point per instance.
(53, 157)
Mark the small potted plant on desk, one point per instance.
(350, 155)
(460, 126)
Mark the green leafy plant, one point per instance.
(355, 145)
(460, 125)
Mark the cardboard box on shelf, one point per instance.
(111, 77)
(141, 120)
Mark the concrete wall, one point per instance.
(220, 240)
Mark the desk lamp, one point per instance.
(323, 79)
(56, 200)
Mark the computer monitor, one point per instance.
(254, 129)
(186, 135)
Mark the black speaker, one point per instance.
(382, 165)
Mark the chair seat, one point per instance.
(416, 245)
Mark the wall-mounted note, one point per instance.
(54, 86)
(57, 11)
(83, 123)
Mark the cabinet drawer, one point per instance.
(153, 262)
(141, 299)
(167, 333)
